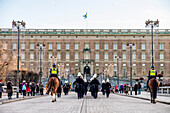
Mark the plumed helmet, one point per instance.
(85, 80)
(24, 81)
(103, 81)
(107, 80)
(59, 77)
(95, 76)
(79, 74)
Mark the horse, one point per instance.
(153, 87)
(53, 86)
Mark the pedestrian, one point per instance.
(121, 88)
(136, 88)
(59, 89)
(103, 87)
(66, 87)
(9, 89)
(116, 89)
(139, 88)
(41, 88)
(37, 89)
(85, 86)
(79, 86)
(1, 88)
(95, 84)
(28, 89)
(108, 86)
(32, 89)
(127, 89)
(24, 87)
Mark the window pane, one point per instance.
(14, 46)
(58, 56)
(31, 56)
(49, 56)
(50, 46)
(124, 56)
(67, 46)
(115, 46)
(106, 46)
(143, 46)
(76, 56)
(106, 56)
(97, 46)
(86, 45)
(5, 46)
(161, 46)
(23, 56)
(76, 46)
(32, 46)
(143, 56)
(134, 56)
(22, 46)
(58, 46)
(115, 54)
(134, 47)
(67, 56)
(97, 56)
(86, 56)
(161, 56)
(124, 46)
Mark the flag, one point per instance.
(85, 16)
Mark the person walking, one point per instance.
(139, 88)
(108, 86)
(66, 87)
(37, 89)
(121, 88)
(136, 88)
(41, 88)
(85, 86)
(103, 87)
(1, 89)
(28, 89)
(32, 89)
(9, 89)
(79, 86)
(24, 87)
(95, 83)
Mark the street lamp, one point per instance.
(18, 24)
(152, 24)
(41, 47)
(130, 45)
(117, 57)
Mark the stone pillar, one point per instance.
(91, 68)
(81, 67)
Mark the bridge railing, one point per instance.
(165, 90)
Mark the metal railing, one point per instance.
(165, 90)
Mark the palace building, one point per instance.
(91, 51)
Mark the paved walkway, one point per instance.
(146, 95)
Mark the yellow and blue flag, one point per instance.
(85, 16)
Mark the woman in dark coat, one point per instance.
(108, 86)
(9, 89)
(136, 88)
(103, 87)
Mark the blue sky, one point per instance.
(67, 14)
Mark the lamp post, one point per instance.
(117, 57)
(41, 48)
(130, 45)
(152, 24)
(18, 24)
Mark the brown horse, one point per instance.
(53, 86)
(153, 87)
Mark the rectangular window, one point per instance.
(124, 46)
(161, 56)
(134, 47)
(22, 56)
(32, 46)
(161, 46)
(86, 56)
(49, 55)
(76, 46)
(106, 56)
(14, 46)
(143, 46)
(67, 56)
(106, 46)
(97, 46)
(59, 46)
(143, 56)
(58, 56)
(31, 56)
(22, 46)
(124, 56)
(86, 45)
(50, 45)
(153, 46)
(115, 46)
(4, 46)
(115, 54)
(124, 72)
(134, 56)
(76, 56)
(97, 56)
(67, 46)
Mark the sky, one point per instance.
(68, 14)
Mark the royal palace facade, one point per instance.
(91, 51)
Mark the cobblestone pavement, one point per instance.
(70, 104)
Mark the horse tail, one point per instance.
(51, 84)
(154, 91)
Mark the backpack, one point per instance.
(24, 87)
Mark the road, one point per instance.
(70, 104)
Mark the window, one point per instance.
(86, 45)
(50, 46)
(22, 46)
(97, 46)
(161, 56)
(14, 46)
(143, 56)
(76, 56)
(58, 46)
(124, 46)
(106, 56)
(22, 56)
(106, 46)
(134, 47)
(134, 56)
(124, 56)
(31, 56)
(4, 46)
(67, 46)
(161, 46)
(124, 72)
(76, 46)
(97, 56)
(143, 46)
(32, 46)
(153, 46)
(49, 55)
(115, 46)
(58, 56)
(4, 56)
(115, 54)
(67, 56)
(86, 56)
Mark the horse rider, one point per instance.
(53, 73)
(80, 85)
(95, 84)
(152, 74)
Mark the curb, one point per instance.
(168, 103)
(16, 100)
